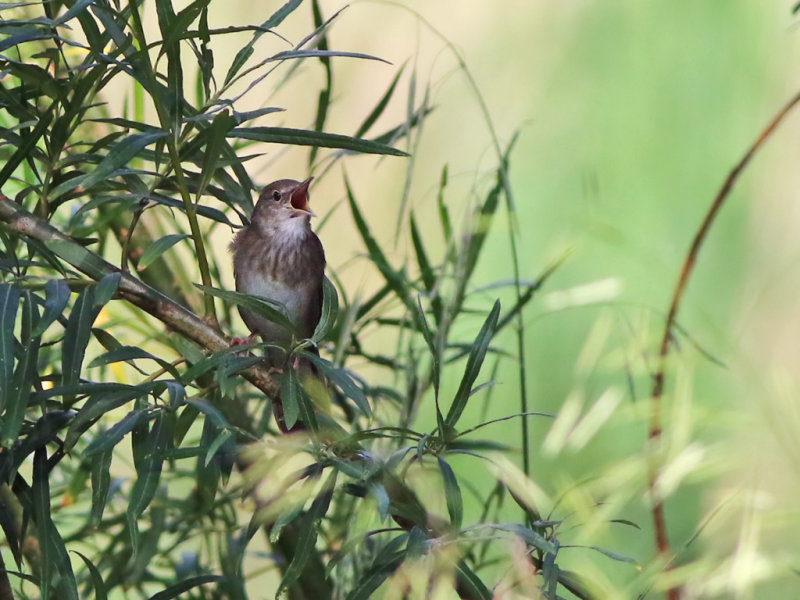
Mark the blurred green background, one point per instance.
(630, 113)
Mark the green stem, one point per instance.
(175, 160)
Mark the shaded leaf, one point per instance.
(9, 301)
(106, 440)
(56, 298)
(177, 589)
(158, 247)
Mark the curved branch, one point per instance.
(655, 431)
(169, 312)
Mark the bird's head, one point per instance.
(284, 203)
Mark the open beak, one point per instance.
(299, 199)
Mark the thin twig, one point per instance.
(655, 431)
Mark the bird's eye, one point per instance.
(276, 195)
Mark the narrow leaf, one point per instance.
(9, 301)
(452, 493)
(474, 362)
(56, 298)
(177, 589)
(157, 248)
(305, 137)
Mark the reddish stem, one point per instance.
(655, 431)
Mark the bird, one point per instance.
(277, 256)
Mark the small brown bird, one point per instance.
(278, 257)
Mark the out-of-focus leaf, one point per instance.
(471, 583)
(56, 297)
(474, 362)
(395, 280)
(157, 248)
(9, 301)
(529, 536)
(177, 589)
(306, 137)
(308, 534)
(452, 493)
(380, 106)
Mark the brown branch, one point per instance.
(172, 314)
(655, 430)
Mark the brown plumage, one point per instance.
(277, 256)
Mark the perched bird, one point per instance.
(278, 257)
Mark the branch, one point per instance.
(655, 431)
(172, 314)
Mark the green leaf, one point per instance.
(276, 19)
(615, 555)
(307, 538)
(295, 401)
(306, 137)
(157, 248)
(177, 589)
(381, 106)
(106, 440)
(106, 288)
(76, 337)
(25, 375)
(470, 582)
(148, 472)
(330, 309)
(452, 493)
(474, 362)
(529, 536)
(394, 279)
(98, 405)
(270, 309)
(40, 496)
(342, 379)
(120, 155)
(95, 577)
(101, 482)
(290, 397)
(9, 301)
(215, 144)
(289, 54)
(56, 298)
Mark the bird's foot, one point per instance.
(237, 341)
(275, 371)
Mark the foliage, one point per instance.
(141, 455)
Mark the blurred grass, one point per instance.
(631, 116)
